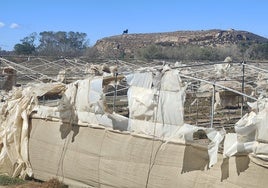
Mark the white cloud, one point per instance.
(14, 26)
(2, 24)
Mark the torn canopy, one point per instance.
(155, 110)
(14, 128)
(251, 135)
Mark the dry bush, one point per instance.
(53, 183)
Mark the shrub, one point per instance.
(6, 180)
(188, 52)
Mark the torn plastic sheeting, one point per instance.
(69, 96)
(23, 166)
(184, 133)
(141, 103)
(15, 141)
(144, 80)
(92, 118)
(42, 89)
(15, 144)
(171, 81)
(168, 101)
(119, 122)
(262, 125)
(95, 94)
(170, 108)
(232, 146)
(260, 119)
(246, 147)
(154, 129)
(89, 92)
(144, 119)
(47, 112)
(258, 105)
(166, 132)
(215, 137)
(82, 100)
(245, 128)
(246, 125)
(77, 99)
(14, 127)
(181, 134)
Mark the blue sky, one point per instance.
(103, 18)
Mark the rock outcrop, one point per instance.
(127, 44)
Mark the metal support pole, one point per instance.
(197, 109)
(65, 78)
(212, 107)
(243, 87)
(115, 91)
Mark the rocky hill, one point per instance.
(129, 43)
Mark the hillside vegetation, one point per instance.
(185, 45)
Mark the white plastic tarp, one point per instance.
(80, 104)
(164, 105)
(15, 127)
(170, 108)
(138, 79)
(142, 103)
(251, 134)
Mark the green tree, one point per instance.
(27, 46)
(24, 49)
(151, 52)
(62, 43)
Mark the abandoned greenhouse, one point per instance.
(158, 124)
